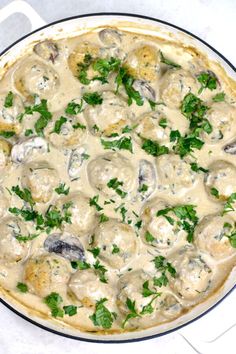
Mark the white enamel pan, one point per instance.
(74, 26)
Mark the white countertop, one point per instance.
(213, 21)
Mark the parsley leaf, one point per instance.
(187, 218)
(123, 143)
(95, 251)
(27, 238)
(163, 123)
(219, 97)
(26, 214)
(207, 80)
(7, 134)
(80, 264)
(100, 270)
(74, 108)
(23, 194)
(185, 144)
(146, 291)
(114, 183)
(61, 189)
(115, 249)
(102, 317)
(93, 98)
(149, 237)
(163, 266)
(196, 168)
(29, 132)
(214, 192)
(53, 301)
(58, 125)
(70, 310)
(133, 313)
(103, 218)
(22, 287)
(168, 62)
(153, 148)
(94, 201)
(123, 78)
(229, 204)
(9, 100)
(82, 69)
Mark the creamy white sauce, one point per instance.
(199, 273)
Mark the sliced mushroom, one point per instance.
(230, 148)
(110, 37)
(47, 50)
(66, 245)
(21, 151)
(76, 160)
(147, 179)
(145, 89)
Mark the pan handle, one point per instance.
(20, 6)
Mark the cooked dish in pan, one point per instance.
(118, 180)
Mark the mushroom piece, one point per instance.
(22, 150)
(65, 245)
(145, 89)
(110, 37)
(146, 178)
(47, 50)
(230, 148)
(77, 158)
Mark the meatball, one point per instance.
(117, 243)
(221, 177)
(83, 216)
(211, 236)
(169, 306)
(108, 118)
(5, 150)
(71, 134)
(144, 62)
(157, 231)
(108, 167)
(47, 273)
(193, 277)
(78, 56)
(175, 85)
(174, 174)
(47, 50)
(88, 288)
(153, 126)
(41, 179)
(130, 286)
(222, 117)
(35, 77)
(12, 250)
(8, 115)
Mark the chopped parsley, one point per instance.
(153, 148)
(26, 214)
(103, 218)
(143, 188)
(123, 78)
(229, 204)
(133, 312)
(127, 129)
(23, 194)
(95, 251)
(70, 310)
(82, 265)
(94, 202)
(163, 123)
(232, 235)
(214, 192)
(53, 301)
(168, 61)
(78, 125)
(146, 290)
(61, 189)
(100, 270)
(164, 267)
(104, 67)
(27, 238)
(9, 100)
(29, 132)
(54, 217)
(82, 69)
(185, 145)
(115, 249)
(121, 208)
(219, 97)
(93, 98)
(187, 218)
(7, 134)
(22, 287)
(102, 317)
(115, 184)
(149, 237)
(74, 108)
(58, 125)
(148, 309)
(123, 143)
(208, 80)
(196, 168)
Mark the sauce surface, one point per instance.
(118, 190)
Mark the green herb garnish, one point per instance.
(58, 125)
(168, 61)
(61, 189)
(115, 184)
(153, 148)
(93, 98)
(102, 317)
(22, 287)
(123, 143)
(9, 100)
(53, 301)
(207, 80)
(94, 202)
